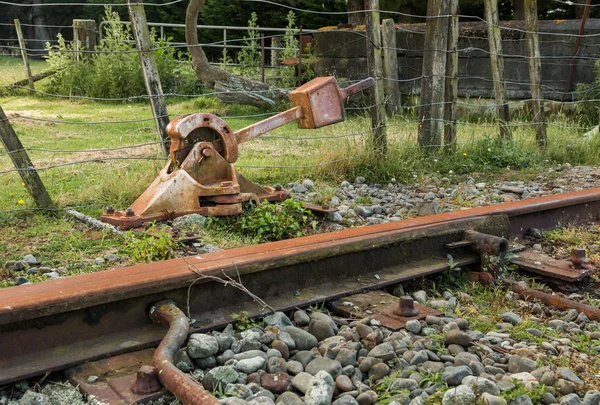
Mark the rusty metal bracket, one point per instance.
(576, 269)
(200, 176)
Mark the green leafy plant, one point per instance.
(385, 391)
(114, 70)
(243, 322)
(277, 221)
(249, 57)
(159, 245)
(536, 393)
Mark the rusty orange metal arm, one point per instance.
(269, 124)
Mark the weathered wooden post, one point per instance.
(390, 66)
(451, 85)
(535, 72)
(84, 37)
(23, 164)
(497, 64)
(431, 112)
(375, 67)
(23, 48)
(151, 77)
(275, 53)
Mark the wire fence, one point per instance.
(404, 125)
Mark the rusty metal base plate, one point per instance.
(544, 265)
(115, 376)
(380, 306)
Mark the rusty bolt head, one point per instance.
(110, 210)
(278, 187)
(146, 381)
(406, 307)
(207, 152)
(129, 212)
(578, 257)
(227, 184)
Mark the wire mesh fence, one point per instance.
(84, 156)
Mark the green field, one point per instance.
(79, 168)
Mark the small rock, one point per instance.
(570, 399)
(33, 398)
(30, 260)
(489, 399)
(277, 383)
(458, 337)
(453, 375)
(249, 366)
(461, 395)
(517, 364)
(92, 379)
(112, 258)
(343, 383)
(302, 339)
(420, 296)
(201, 346)
(511, 318)
(278, 319)
(320, 389)
(301, 318)
(413, 326)
(333, 367)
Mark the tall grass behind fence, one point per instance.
(97, 151)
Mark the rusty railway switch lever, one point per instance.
(200, 176)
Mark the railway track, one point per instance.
(61, 323)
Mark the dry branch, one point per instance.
(35, 78)
(227, 280)
(230, 88)
(92, 222)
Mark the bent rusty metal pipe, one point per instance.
(556, 301)
(176, 381)
(485, 243)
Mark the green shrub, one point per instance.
(589, 95)
(114, 71)
(144, 248)
(277, 221)
(249, 57)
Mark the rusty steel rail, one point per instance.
(60, 323)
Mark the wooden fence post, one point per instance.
(535, 72)
(23, 48)
(23, 164)
(451, 85)
(151, 77)
(497, 64)
(390, 66)
(84, 37)
(431, 112)
(375, 67)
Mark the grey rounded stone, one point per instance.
(511, 318)
(453, 375)
(461, 395)
(384, 351)
(343, 383)
(304, 357)
(490, 399)
(420, 296)
(30, 260)
(419, 358)
(570, 399)
(219, 376)
(518, 364)
(206, 363)
(34, 398)
(458, 337)
(289, 398)
(301, 318)
(521, 400)
(201, 346)
(294, 367)
(378, 371)
(345, 400)
(276, 365)
(249, 366)
(320, 389)
(302, 339)
(346, 357)
(591, 398)
(404, 384)
(481, 385)
(332, 367)
(278, 319)
(301, 381)
(413, 326)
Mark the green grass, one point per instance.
(286, 154)
(13, 70)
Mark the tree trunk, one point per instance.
(356, 18)
(229, 87)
